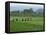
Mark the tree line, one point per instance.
(27, 12)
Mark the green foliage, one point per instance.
(22, 19)
(16, 19)
(27, 12)
(34, 25)
(26, 20)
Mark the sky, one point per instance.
(21, 7)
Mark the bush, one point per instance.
(25, 20)
(22, 19)
(16, 19)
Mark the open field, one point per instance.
(35, 23)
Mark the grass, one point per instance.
(36, 23)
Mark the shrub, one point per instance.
(25, 19)
(16, 19)
(22, 19)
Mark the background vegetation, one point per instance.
(26, 20)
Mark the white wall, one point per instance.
(2, 17)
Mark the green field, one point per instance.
(36, 23)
